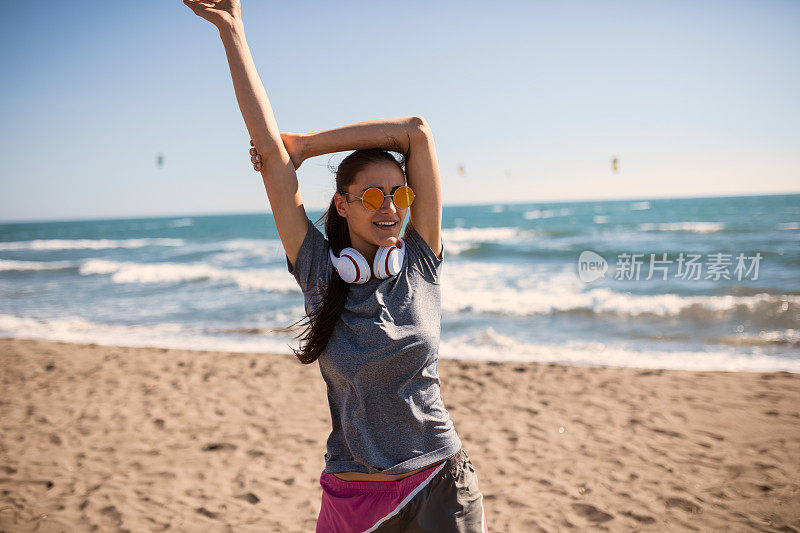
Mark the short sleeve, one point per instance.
(313, 264)
(421, 257)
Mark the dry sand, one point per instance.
(101, 438)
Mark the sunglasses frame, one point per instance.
(385, 196)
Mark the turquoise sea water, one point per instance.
(511, 288)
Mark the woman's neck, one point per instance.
(365, 248)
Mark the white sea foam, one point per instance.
(484, 344)
(10, 264)
(789, 226)
(692, 227)
(600, 219)
(268, 249)
(267, 279)
(182, 222)
(489, 345)
(480, 234)
(763, 338)
(228, 258)
(458, 240)
(255, 246)
(164, 335)
(789, 336)
(518, 290)
(86, 244)
(236, 250)
(546, 213)
(457, 248)
(639, 206)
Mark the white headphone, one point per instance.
(353, 268)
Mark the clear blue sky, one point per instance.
(533, 98)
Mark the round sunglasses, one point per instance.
(373, 197)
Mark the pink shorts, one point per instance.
(442, 498)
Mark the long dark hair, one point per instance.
(323, 317)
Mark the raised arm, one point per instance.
(410, 136)
(277, 170)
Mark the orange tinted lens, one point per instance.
(403, 197)
(373, 198)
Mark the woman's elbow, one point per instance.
(419, 125)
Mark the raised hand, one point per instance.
(293, 144)
(220, 13)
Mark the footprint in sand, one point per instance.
(686, 505)
(642, 519)
(249, 497)
(205, 512)
(592, 513)
(112, 514)
(219, 446)
(668, 432)
(713, 435)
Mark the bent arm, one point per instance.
(387, 133)
(277, 169)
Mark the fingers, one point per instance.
(190, 5)
(200, 9)
(194, 5)
(255, 158)
(198, 3)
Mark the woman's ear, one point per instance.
(340, 202)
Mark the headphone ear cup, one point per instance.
(388, 261)
(351, 266)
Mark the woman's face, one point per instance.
(365, 235)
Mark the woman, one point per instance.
(394, 461)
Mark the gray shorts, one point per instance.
(450, 501)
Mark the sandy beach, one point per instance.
(103, 438)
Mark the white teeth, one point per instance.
(385, 223)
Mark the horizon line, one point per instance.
(312, 209)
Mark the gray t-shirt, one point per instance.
(380, 365)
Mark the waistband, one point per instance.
(448, 467)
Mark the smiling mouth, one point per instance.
(385, 226)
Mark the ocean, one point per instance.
(688, 283)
